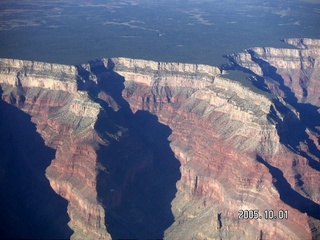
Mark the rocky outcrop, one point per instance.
(290, 72)
(237, 149)
(65, 118)
(219, 129)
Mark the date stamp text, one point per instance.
(266, 214)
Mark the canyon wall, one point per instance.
(291, 72)
(65, 119)
(219, 128)
(237, 149)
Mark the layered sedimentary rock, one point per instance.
(238, 150)
(65, 118)
(220, 129)
(292, 72)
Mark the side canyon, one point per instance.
(140, 149)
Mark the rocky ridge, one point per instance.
(65, 118)
(216, 166)
(298, 69)
(230, 141)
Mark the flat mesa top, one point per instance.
(73, 32)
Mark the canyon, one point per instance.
(143, 149)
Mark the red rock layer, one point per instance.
(227, 138)
(294, 75)
(65, 119)
(218, 130)
(299, 68)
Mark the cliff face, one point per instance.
(103, 157)
(237, 150)
(218, 129)
(292, 73)
(65, 118)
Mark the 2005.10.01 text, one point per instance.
(266, 214)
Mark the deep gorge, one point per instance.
(143, 149)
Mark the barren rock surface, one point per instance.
(218, 131)
(237, 149)
(65, 118)
(292, 72)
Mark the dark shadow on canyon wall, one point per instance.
(288, 195)
(256, 80)
(309, 115)
(140, 172)
(29, 208)
(292, 129)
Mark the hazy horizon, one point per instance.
(73, 32)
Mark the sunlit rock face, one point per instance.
(237, 149)
(292, 72)
(65, 119)
(219, 129)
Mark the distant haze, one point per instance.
(73, 32)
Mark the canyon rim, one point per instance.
(142, 149)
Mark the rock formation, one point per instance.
(219, 128)
(297, 69)
(237, 149)
(65, 118)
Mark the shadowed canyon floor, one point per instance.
(140, 173)
(151, 150)
(30, 209)
(289, 196)
(139, 184)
